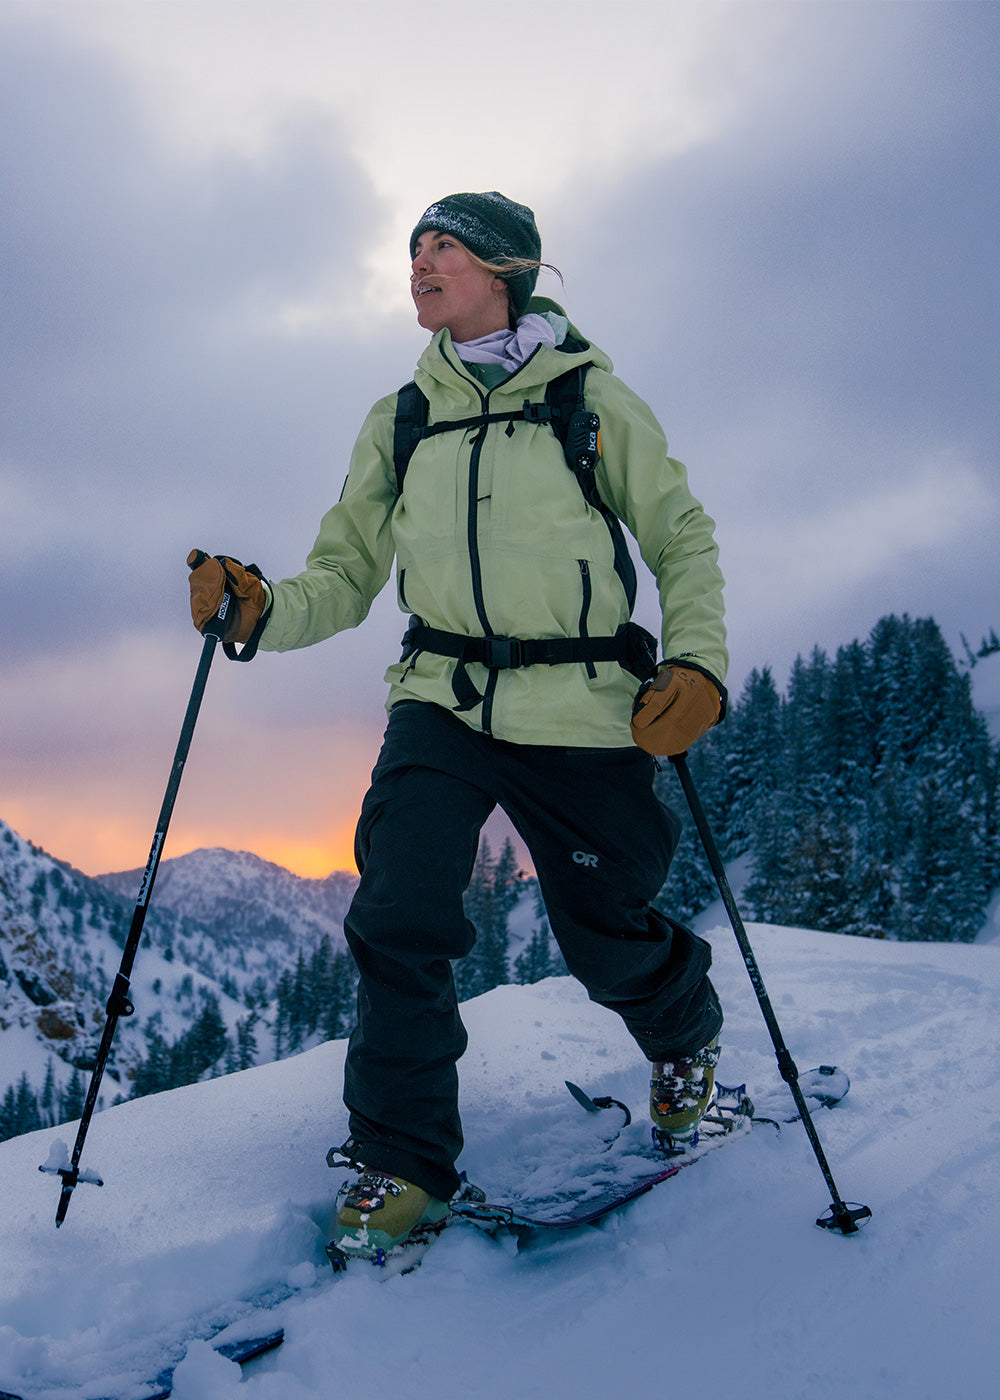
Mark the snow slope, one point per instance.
(717, 1283)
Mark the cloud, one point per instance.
(151, 391)
(807, 302)
(882, 530)
(775, 218)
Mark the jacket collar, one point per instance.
(441, 375)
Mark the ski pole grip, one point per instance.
(216, 625)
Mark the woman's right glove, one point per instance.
(210, 577)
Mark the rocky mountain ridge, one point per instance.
(223, 927)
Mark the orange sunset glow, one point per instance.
(296, 802)
(102, 845)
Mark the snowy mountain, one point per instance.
(244, 963)
(246, 901)
(222, 927)
(61, 938)
(716, 1284)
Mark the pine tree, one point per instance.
(73, 1099)
(337, 1015)
(755, 752)
(767, 893)
(540, 958)
(301, 1010)
(8, 1114)
(27, 1114)
(154, 1074)
(246, 1042)
(283, 1003)
(690, 886)
(207, 1039)
(506, 881)
(849, 721)
(488, 902)
(806, 758)
(48, 1099)
(321, 990)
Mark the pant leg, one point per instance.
(416, 847)
(602, 843)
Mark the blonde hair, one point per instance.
(505, 268)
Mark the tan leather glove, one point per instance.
(208, 581)
(673, 710)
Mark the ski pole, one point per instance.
(118, 1003)
(839, 1215)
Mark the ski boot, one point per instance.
(680, 1094)
(378, 1215)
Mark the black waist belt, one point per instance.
(632, 647)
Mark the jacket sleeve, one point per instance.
(351, 560)
(648, 490)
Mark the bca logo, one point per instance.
(584, 858)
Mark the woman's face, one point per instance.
(450, 289)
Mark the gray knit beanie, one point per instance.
(494, 228)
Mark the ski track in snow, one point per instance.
(716, 1283)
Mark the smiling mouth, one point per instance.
(423, 290)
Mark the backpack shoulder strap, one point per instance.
(564, 397)
(565, 411)
(411, 418)
(580, 434)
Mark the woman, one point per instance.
(516, 689)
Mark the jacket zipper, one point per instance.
(473, 505)
(472, 528)
(472, 534)
(476, 567)
(472, 539)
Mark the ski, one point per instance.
(240, 1352)
(629, 1169)
(622, 1169)
(162, 1384)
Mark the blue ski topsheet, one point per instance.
(631, 1164)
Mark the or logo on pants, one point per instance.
(584, 858)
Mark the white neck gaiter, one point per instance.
(511, 348)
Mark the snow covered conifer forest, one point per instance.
(864, 799)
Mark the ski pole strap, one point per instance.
(248, 650)
(632, 647)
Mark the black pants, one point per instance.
(601, 843)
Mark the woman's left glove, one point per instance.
(674, 709)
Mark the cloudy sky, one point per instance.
(780, 219)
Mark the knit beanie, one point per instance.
(494, 228)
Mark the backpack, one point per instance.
(564, 410)
(578, 430)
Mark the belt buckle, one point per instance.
(504, 653)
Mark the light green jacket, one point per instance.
(497, 539)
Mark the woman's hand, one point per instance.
(210, 576)
(673, 710)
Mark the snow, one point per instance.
(717, 1283)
